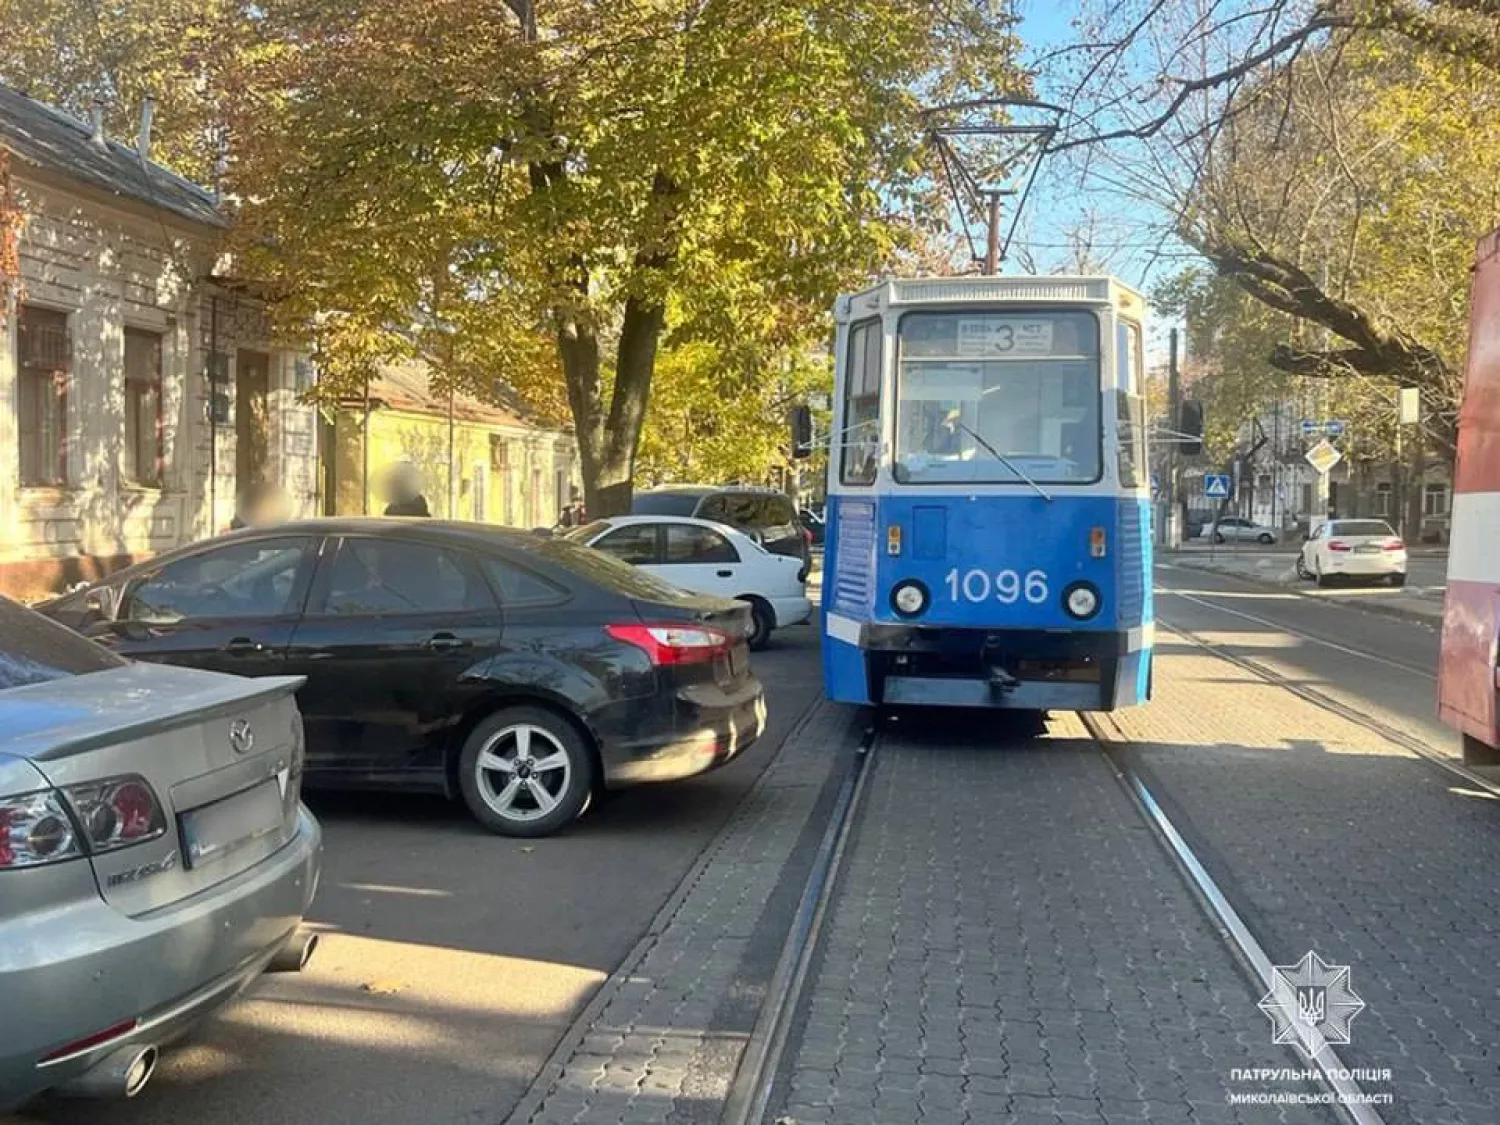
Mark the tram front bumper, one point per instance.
(1016, 669)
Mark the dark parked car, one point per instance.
(764, 514)
(517, 672)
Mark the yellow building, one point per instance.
(476, 460)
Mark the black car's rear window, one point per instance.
(604, 570)
(664, 503)
(34, 650)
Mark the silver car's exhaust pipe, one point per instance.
(122, 1074)
(295, 954)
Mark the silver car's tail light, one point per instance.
(35, 829)
(116, 813)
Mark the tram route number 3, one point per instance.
(1007, 586)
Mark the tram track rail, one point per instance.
(751, 1093)
(750, 1096)
(1351, 1104)
(1409, 742)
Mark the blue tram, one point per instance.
(988, 520)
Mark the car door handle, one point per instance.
(243, 646)
(447, 642)
(726, 573)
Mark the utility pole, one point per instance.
(1176, 508)
(992, 248)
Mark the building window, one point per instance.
(143, 411)
(1384, 493)
(1307, 498)
(42, 396)
(1435, 500)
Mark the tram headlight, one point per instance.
(1081, 600)
(909, 598)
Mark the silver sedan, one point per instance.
(155, 857)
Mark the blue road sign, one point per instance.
(1333, 427)
(1216, 486)
(1155, 484)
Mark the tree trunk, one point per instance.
(608, 442)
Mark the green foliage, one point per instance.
(717, 416)
(439, 167)
(71, 53)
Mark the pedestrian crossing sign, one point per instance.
(1216, 486)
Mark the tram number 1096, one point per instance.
(1007, 586)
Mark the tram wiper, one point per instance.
(1006, 461)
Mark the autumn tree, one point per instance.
(461, 179)
(75, 54)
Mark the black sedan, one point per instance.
(518, 672)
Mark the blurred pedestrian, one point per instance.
(405, 486)
(260, 504)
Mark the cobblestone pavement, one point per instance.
(1009, 943)
(662, 1040)
(1327, 838)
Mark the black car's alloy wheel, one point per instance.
(525, 771)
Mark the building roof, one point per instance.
(57, 142)
(408, 386)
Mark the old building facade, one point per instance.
(140, 388)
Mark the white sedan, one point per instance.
(708, 558)
(1353, 549)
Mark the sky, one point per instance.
(1057, 208)
(1123, 243)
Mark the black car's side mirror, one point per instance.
(802, 431)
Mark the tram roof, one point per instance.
(897, 292)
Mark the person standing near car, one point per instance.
(406, 492)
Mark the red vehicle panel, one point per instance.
(1467, 680)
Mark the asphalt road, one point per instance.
(452, 960)
(1383, 666)
(1424, 571)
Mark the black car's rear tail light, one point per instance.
(35, 829)
(674, 644)
(116, 813)
(54, 825)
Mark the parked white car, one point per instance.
(1353, 549)
(708, 558)
(1236, 529)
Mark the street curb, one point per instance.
(553, 1069)
(1380, 609)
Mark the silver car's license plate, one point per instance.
(215, 830)
(1367, 549)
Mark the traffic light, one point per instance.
(1190, 428)
(802, 431)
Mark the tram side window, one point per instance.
(1131, 407)
(861, 437)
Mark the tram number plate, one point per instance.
(1006, 586)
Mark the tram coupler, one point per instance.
(1001, 682)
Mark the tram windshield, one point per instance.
(997, 398)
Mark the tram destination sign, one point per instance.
(1004, 336)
